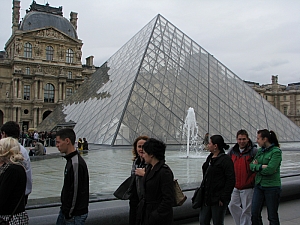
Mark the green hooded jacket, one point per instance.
(269, 176)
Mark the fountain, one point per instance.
(190, 128)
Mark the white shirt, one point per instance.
(26, 164)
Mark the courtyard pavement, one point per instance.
(288, 214)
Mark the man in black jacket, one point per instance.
(75, 191)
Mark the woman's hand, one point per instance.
(140, 172)
(255, 161)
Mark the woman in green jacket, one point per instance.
(267, 188)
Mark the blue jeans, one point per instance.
(271, 197)
(75, 220)
(215, 212)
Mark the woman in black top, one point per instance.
(12, 182)
(218, 182)
(138, 170)
(156, 206)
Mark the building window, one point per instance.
(69, 75)
(69, 56)
(49, 53)
(284, 98)
(49, 93)
(266, 97)
(69, 92)
(285, 110)
(26, 92)
(27, 50)
(27, 70)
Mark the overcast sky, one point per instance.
(254, 38)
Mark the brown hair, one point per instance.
(134, 150)
(242, 132)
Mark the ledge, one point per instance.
(110, 211)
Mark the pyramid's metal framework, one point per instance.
(148, 85)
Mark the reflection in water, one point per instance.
(108, 168)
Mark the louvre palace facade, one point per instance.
(40, 65)
(286, 98)
(148, 85)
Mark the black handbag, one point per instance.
(197, 199)
(124, 191)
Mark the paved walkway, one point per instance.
(288, 214)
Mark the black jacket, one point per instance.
(220, 179)
(156, 206)
(75, 192)
(12, 189)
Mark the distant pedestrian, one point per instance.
(80, 144)
(36, 136)
(206, 141)
(75, 191)
(85, 144)
(267, 188)
(242, 153)
(37, 150)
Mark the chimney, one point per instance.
(90, 61)
(15, 15)
(73, 19)
(274, 79)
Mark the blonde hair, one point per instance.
(10, 151)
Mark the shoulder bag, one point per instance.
(198, 197)
(179, 196)
(124, 191)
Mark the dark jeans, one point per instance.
(133, 211)
(75, 220)
(215, 212)
(271, 197)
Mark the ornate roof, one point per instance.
(40, 16)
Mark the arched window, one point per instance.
(49, 93)
(49, 53)
(28, 50)
(69, 56)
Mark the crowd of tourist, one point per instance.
(243, 179)
(44, 137)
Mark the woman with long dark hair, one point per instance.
(218, 182)
(267, 188)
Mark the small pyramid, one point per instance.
(147, 86)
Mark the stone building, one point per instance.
(285, 98)
(40, 65)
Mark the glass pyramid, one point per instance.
(148, 85)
